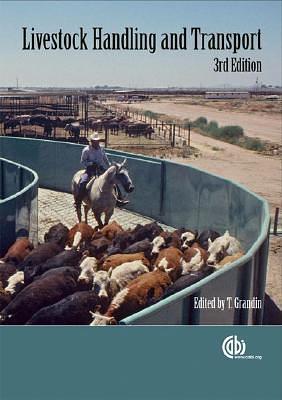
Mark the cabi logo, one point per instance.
(235, 348)
(232, 347)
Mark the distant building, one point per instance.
(272, 97)
(227, 95)
(131, 97)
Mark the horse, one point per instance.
(100, 192)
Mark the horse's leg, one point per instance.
(77, 206)
(108, 216)
(98, 219)
(86, 209)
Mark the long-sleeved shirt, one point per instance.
(90, 155)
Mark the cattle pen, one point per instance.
(175, 195)
(47, 115)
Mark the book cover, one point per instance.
(140, 189)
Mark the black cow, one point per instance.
(52, 287)
(72, 310)
(67, 257)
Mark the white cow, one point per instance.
(108, 284)
(126, 272)
(221, 247)
(88, 266)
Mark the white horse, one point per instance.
(100, 192)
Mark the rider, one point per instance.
(95, 162)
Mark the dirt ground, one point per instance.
(259, 173)
(254, 116)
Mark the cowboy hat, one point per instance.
(94, 137)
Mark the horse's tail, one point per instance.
(75, 184)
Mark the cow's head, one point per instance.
(217, 249)
(158, 243)
(100, 319)
(101, 284)
(88, 267)
(187, 239)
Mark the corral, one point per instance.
(70, 117)
(203, 200)
(227, 95)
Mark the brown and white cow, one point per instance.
(111, 230)
(118, 259)
(15, 283)
(167, 239)
(6, 270)
(18, 251)
(170, 261)
(79, 234)
(229, 259)
(137, 295)
(195, 258)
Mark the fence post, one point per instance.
(173, 136)
(189, 135)
(106, 138)
(276, 221)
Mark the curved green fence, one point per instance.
(177, 195)
(18, 203)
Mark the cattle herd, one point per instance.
(84, 276)
(107, 122)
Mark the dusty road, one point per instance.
(261, 125)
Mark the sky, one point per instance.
(174, 68)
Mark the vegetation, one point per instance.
(233, 134)
(253, 144)
(151, 114)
